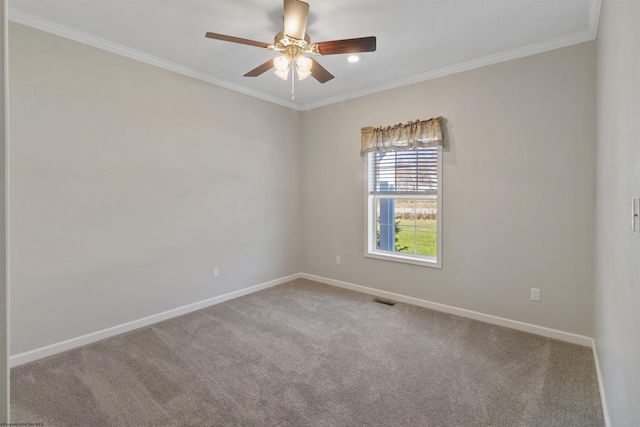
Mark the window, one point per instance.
(404, 206)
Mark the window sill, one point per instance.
(431, 262)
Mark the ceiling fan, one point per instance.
(293, 43)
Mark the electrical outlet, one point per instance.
(216, 273)
(338, 259)
(535, 294)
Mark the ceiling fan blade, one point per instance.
(320, 73)
(296, 13)
(236, 40)
(362, 44)
(260, 69)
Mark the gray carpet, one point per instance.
(307, 354)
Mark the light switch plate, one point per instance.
(535, 294)
(635, 215)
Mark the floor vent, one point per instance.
(384, 301)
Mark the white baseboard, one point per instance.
(603, 399)
(488, 318)
(69, 344)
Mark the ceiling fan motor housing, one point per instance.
(291, 47)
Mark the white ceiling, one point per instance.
(416, 39)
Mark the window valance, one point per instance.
(418, 134)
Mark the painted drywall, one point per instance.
(617, 301)
(518, 189)
(130, 183)
(4, 289)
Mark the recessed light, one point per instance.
(354, 58)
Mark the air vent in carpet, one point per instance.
(384, 301)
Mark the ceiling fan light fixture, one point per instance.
(283, 76)
(303, 75)
(293, 43)
(354, 58)
(281, 64)
(303, 67)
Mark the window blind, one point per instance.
(404, 172)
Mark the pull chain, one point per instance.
(293, 90)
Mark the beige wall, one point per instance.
(518, 184)
(617, 302)
(130, 183)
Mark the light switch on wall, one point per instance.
(635, 215)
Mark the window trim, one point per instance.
(370, 250)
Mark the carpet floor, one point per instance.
(308, 354)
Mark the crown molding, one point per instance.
(560, 42)
(594, 17)
(61, 30)
(91, 40)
